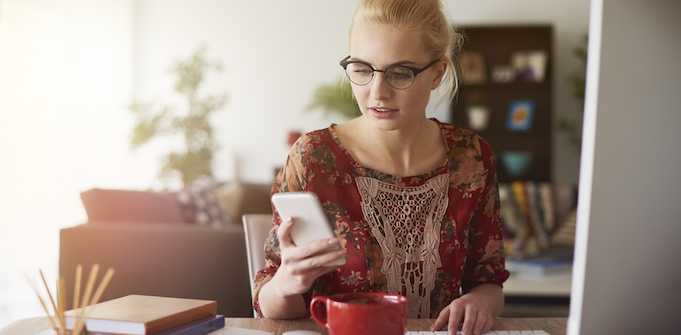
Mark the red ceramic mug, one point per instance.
(361, 313)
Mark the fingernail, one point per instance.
(332, 241)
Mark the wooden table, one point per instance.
(553, 326)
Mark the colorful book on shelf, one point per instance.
(535, 215)
(539, 266)
(142, 314)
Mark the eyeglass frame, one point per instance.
(345, 62)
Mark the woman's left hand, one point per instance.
(468, 308)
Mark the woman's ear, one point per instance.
(441, 69)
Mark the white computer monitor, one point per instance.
(627, 269)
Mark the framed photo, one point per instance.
(503, 73)
(520, 115)
(473, 66)
(530, 66)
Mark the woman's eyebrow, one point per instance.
(404, 62)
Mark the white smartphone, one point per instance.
(309, 220)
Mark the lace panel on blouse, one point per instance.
(405, 220)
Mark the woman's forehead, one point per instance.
(386, 44)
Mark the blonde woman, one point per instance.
(414, 201)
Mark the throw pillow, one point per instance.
(123, 205)
(201, 207)
(239, 198)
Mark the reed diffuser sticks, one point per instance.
(81, 308)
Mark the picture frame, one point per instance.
(530, 66)
(473, 68)
(520, 115)
(503, 73)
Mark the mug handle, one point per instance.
(316, 312)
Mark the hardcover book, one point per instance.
(199, 327)
(141, 314)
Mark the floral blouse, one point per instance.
(430, 237)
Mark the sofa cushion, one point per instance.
(200, 206)
(239, 198)
(124, 205)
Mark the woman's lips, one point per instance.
(382, 112)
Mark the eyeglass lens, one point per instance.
(397, 76)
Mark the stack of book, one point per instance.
(146, 315)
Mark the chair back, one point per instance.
(256, 229)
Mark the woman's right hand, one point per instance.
(301, 265)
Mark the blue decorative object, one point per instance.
(517, 163)
(520, 115)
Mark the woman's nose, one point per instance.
(380, 89)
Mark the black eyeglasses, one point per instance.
(398, 76)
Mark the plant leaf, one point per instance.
(336, 99)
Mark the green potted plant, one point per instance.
(194, 162)
(572, 126)
(336, 99)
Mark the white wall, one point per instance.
(65, 79)
(276, 53)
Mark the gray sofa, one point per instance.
(157, 245)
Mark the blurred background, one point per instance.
(70, 69)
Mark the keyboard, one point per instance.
(497, 332)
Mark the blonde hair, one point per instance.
(427, 17)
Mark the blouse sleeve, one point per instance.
(485, 261)
(291, 178)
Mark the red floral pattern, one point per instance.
(470, 245)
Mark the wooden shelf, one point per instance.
(497, 44)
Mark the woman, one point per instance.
(413, 201)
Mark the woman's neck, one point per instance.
(402, 152)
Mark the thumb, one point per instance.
(284, 233)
